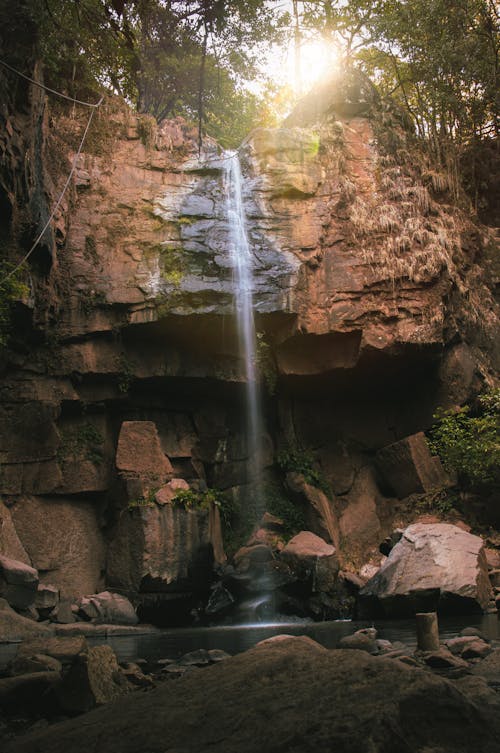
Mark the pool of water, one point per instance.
(172, 644)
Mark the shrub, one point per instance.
(297, 460)
(470, 445)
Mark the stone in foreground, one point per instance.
(434, 567)
(286, 695)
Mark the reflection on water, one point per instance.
(171, 644)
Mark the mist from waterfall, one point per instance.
(243, 278)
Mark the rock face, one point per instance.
(434, 567)
(128, 372)
(409, 468)
(366, 703)
(18, 582)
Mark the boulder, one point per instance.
(27, 690)
(108, 608)
(166, 493)
(92, 680)
(22, 665)
(14, 627)
(139, 452)
(320, 515)
(361, 640)
(47, 599)
(10, 544)
(160, 548)
(287, 694)
(62, 536)
(18, 582)
(434, 567)
(65, 649)
(409, 468)
(308, 556)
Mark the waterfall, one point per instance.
(243, 277)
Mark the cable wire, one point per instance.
(47, 88)
(58, 202)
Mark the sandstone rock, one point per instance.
(108, 608)
(10, 544)
(139, 451)
(160, 548)
(360, 522)
(62, 536)
(47, 597)
(489, 667)
(92, 680)
(166, 493)
(478, 649)
(392, 702)
(248, 555)
(433, 567)
(492, 558)
(319, 509)
(63, 613)
(15, 628)
(361, 640)
(444, 659)
(18, 582)
(308, 556)
(409, 468)
(22, 665)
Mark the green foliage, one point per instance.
(81, 443)
(470, 444)
(11, 290)
(297, 460)
(147, 501)
(146, 128)
(439, 502)
(126, 375)
(278, 503)
(190, 499)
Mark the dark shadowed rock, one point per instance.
(92, 680)
(285, 695)
(435, 567)
(18, 582)
(14, 627)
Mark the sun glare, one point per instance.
(315, 60)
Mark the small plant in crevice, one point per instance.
(148, 500)
(470, 444)
(81, 443)
(294, 459)
(126, 376)
(12, 289)
(278, 503)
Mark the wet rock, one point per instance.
(92, 680)
(217, 655)
(443, 659)
(478, 649)
(220, 600)
(435, 567)
(489, 667)
(198, 658)
(362, 640)
(247, 556)
(18, 582)
(409, 467)
(320, 514)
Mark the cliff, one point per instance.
(374, 299)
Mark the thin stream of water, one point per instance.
(241, 256)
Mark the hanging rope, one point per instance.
(58, 202)
(47, 88)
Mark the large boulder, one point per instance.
(285, 695)
(139, 456)
(309, 556)
(18, 582)
(108, 608)
(434, 567)
(92, 680)
(408, 466)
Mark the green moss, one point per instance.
(126, 368)
(148, 500)
(81, 443)
(12, 289)
(147, 128)
(298, 460)
(265, 362)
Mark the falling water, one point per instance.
(243, 276)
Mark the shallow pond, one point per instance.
(171, 644)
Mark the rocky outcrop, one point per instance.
(409, 468)
(368, 281)
(434, 567)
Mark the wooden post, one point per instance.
(427, 631)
